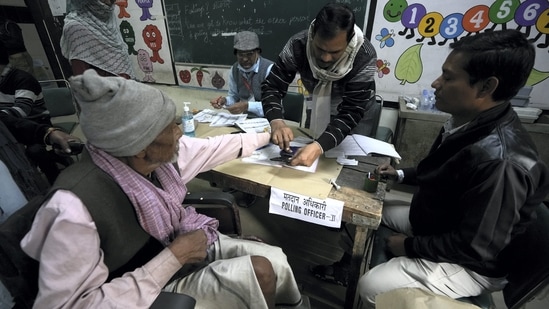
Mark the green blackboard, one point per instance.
(202, 31)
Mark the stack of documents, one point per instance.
(257, 125)
(219, 119)
(360, 145)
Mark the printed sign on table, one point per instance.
(326, 212)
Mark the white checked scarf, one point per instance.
(320, 114)
(102, 45)
(159, 211)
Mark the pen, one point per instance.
(305, 132)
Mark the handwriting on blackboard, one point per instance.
(202, 31)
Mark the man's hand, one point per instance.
(190, 247)
(386, 170)
(218, 102)
(395, 243)
(281, 134)
(238, 108)
(306, 155)
(60, 141)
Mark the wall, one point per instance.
(412, 38)
(202, 31)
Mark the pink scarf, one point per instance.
(160, 211)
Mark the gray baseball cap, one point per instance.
(246, 40)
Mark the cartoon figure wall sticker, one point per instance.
(145, 6)
(385, 38)
(128, 36)
(153, 39)
(218, 81)
(185, 76)
(542, 25)
(146, 65)
(199, 74)
(499, 12)
(123, 5)
(382, 68)
(408, 27)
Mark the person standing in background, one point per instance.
(92, 39)
(337, 65)
(11, 39)
(21, 96)
(246, 76)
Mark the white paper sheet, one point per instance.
(360, 145)
(264, 155)
(255, 125)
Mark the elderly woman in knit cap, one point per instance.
(118, 234)
(91, 39)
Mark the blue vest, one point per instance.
(253, 79)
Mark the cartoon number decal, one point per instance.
(504, 9)
(474, 19)
(477, 19)
(451, 26)
(542, 23)
(413, 16)
(429, 26)
(430, 23)
(531, 12)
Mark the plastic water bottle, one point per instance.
(187, 120)
(427, 100)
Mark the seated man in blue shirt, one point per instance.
(246, 77)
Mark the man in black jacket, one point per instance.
(478, 187)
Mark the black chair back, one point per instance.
(293, 106)
(528, 260)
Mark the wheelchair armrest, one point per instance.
(219, 205)
(169, 300)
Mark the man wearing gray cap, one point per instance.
(117, 234)
(245, 77)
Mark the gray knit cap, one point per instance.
(120, 116)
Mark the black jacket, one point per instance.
(476, 191)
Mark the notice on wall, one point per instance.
(326, 212)
(412, 39)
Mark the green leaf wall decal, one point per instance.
(409, 66)
(536, 77)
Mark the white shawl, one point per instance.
(320, 114)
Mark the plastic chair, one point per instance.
(60, 102)
(526, 258)
(293, 106)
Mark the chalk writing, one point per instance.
(202, 27)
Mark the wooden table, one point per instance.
(361, 208)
